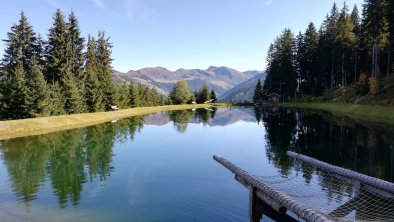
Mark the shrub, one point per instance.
(362, 86)
(373, 85)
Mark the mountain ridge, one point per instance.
(218, 78)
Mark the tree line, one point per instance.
(67, 74)
(180, 94)
(348, 51)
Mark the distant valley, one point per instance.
(221, 79)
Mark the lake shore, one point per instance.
(373, 113)
(35, 126)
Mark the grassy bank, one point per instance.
(28, 127)
(374, 113)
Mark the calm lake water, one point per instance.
(159, 167)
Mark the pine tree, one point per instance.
(122, 95)
(14, 91)
(93, 92)
(213, 96)
(20, 49)
(76, 57)
(345, 41)
(307, 50)
(355, 17)
(19, 45)
(203, 94)
(74, 102)
(56, 100)
(375, 32)
(104, 69)
(258, 92)
(281, 72)
(134, 95)
(57, 50)
(38, 91)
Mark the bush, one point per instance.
(373, 85)
(362, 86)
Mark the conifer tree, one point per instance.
(73, 100)
(345, 40)
(14, 91)
(134, 95)
(355, 17)
(213, 96)
(19, 45)
(123, 96)
(56, 100)
(38, 91)
(203, 94)
(258, 92)
(93, 92)
(104, 70)
(57, 50)
(76, 47)
(375, 31)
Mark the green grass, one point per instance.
(373, 113)
(35, 126)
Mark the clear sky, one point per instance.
(178, 33)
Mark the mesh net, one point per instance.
(337, 197)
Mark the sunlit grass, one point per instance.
(374, 113)
(35, 126)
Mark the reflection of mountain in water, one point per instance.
(222, 117)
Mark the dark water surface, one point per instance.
(159, 167)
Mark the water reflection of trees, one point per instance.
(67, 158)
(182, 118)
(363, 146)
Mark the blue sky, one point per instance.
(178, 33)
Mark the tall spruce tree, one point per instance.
(355, 17)
(282, 73)
(135, 98)
(375, 32)
(38, 91)
(104, 69)
(122, 95)
(20, 45)
(258, 92)
(73, 100)
(307, 49)
(213, 96)
(93, 92)
(15, 95)
(345, 41)
(57, 50)
(203, 94)
(76, 48)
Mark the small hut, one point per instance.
(273, 97)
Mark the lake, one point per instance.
(159, 167)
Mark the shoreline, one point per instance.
(35, 126)
(371, 113)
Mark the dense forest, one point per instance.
(348, 57)
(67, 74)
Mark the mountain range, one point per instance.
(225, 81)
